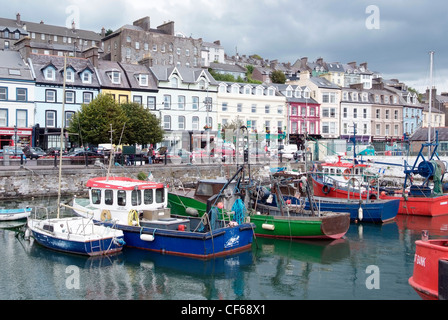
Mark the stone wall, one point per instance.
(33, 182)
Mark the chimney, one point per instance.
(92, 55)
(103, 32)
(146, 61)
(167, 28)
(352, 64)
(217, 42)
(18, 19)
(303, 62)
(320, 61)
(143, 23)
(364, 64)
(73, 25)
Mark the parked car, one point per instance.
(34, 152)
(287, 151)
(79, 157)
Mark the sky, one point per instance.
(394, 37)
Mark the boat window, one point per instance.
(160, 195)
(148, 196)
(331, 171)
(108, 197)
(136, 197)
(96, 196)
(121, 197)
(204, 189)
(339, 172)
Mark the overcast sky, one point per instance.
(394, 37)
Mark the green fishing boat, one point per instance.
(289, 222)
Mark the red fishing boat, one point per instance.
(425, 278)
(423, 199)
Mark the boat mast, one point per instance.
(431, 55)
(62, 133)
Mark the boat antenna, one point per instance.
(62, 133)
(431, 55)
(112, 153)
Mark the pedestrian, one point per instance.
(150, 154)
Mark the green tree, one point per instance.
(143, 127)
(277, 76)
(94, 120)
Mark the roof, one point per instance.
(50, 29)
(122, 183)
(188, 75)
(40, 61)
(12, 66)
(104, 68)
(324, 83)
(133, 71)
(422, 134)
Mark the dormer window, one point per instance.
(259, 91)
(174, 82)
(202, 84)
(142, 80)
(298, 93)
(114, 76)
(49, 73)
(70, 75)
(86, 77)
(289, 93)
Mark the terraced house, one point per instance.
(82, 86)
(17, 91)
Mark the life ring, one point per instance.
(133, 219)
(326, 189)
(346, 174)
(105, 215)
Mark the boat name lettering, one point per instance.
(420, 260)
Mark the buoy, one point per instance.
(192, 212)
(181, 227)
(360, 215)
(147, 237)
(268, 226)
(220, 205)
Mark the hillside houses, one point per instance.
(168, 73)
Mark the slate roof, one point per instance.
(108, 66)
(188, 75)
(40, 61)
(133, 70)
(422, 134)
(12, 66)
(324, 83)
(50, 29)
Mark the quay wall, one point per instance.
(23, 182)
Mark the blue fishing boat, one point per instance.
(14, 214)
(140, 210)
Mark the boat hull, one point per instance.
(422, 206)
(219, 242)
(377, 211)
(89, 248)
(14, 214)
(326, 226)
(425, 277)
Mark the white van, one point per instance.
(287, 151)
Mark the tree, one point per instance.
(277, 76)
(94, 120)
(143, 127)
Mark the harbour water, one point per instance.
(372, 262)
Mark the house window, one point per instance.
(364, 113)
(181, 102)
(114, 76)
(181, 122)
(224, 107)
(267, 108)
(239, 107)
(167, 122)
(3, 93)
(378, 112)
(50, 119)
(138, 100)
(70, 77)
(174, 82)
(355, 113)
(87, 97)
(49, 73)
(152, 103)
(69, 97)
(143, 80)
(378, 129)
(68, 117)
(195, 103)
(387, 114)
(254, 108)
(167, 101)
(195, 123)
(50, 95)
(3, 117)
(396, 115)
(86, 77)
(21, 118)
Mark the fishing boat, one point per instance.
(415, 199)
(140, 209)
(426, 274)
(14, 214)
(72, 234)
(366, 210)
(287, 221)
